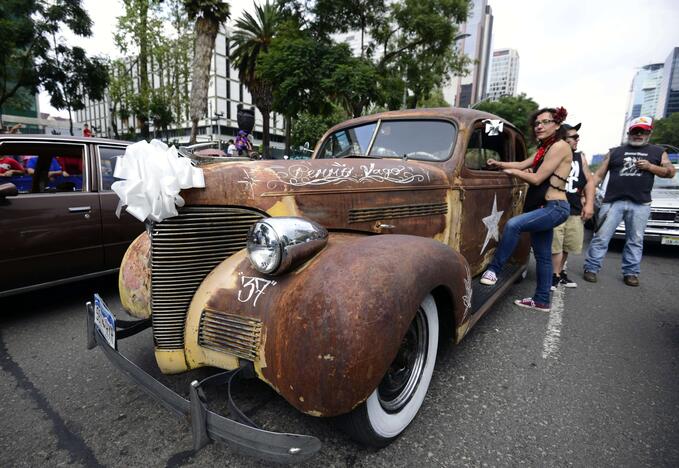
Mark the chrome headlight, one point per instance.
(277, 244)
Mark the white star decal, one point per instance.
(492, 221)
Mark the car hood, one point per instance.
(261, 184)
(665, 198)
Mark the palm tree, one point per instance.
(209, 15)
(252, 37)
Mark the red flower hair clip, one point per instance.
(560, 115)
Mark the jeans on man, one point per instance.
(540, 223)
(635, 216)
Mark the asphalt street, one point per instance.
(593, 383)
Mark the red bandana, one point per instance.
(544, 147)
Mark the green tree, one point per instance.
(293, 61)
(435, 99)
(411, 42)
(251, 38)
(353, 82)
(209, 15)
(349, 15)
(310, 127)
(515, 109)
(136, 31)
(417, 41)
(666, 130)
(28, 29)
(70, 76)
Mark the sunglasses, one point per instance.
(543, 122)
(639, 131)
(574, 137)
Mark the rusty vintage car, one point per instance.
(332, 279)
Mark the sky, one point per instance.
(580, 54)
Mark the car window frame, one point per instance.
(87, 179)
(100, 176)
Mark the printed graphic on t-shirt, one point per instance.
(573, 177)
(629, 166)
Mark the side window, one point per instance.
(484, 146)
(42, 168)
(350, 141)
(107, 163)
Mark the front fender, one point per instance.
(325, 334)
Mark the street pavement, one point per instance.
(593, 383)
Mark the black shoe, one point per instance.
(555, 281)
(590, 276)
(566, 281)
(631, 280)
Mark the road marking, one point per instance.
(550, 346)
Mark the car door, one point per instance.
(52, 228)
(489, 197)
(118, 232)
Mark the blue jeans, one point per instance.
(540, 223)
(635, 216)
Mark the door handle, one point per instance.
(79, 209)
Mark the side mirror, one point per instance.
(8, 190)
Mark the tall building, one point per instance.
(504, 74)
(644, 93)
(225, 93)
(668, 100)
(464, 91)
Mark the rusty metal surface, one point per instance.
(330, 329)
(320, 330)
(134, 278)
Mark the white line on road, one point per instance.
(550, 346)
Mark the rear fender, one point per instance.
(324, 335)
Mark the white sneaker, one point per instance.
(489, 278)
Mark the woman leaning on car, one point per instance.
(546, 205)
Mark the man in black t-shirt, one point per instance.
(632, 169)
(568, 236)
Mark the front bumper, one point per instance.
(206, 426)
(652, 233)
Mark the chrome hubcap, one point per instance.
(400, 383)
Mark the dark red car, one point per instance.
(57, 211)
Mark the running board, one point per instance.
(483, 295)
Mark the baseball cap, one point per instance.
(645, 123)
(575, 127)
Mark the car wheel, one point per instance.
(397, 399)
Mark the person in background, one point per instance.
(231, 148)
(86, 131)
(10, 167)
(569, 235)
(632, 168)
(55, 169)
(241, 143)
(545, 206)
(16, 128)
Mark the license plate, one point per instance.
(670, 240)
(105, 321)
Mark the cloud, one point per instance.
(584, 55)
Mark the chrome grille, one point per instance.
(398, 211)
(234, 334)
(664, 215)
(184, 249)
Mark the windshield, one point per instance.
(672, 183)
(427, 140)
